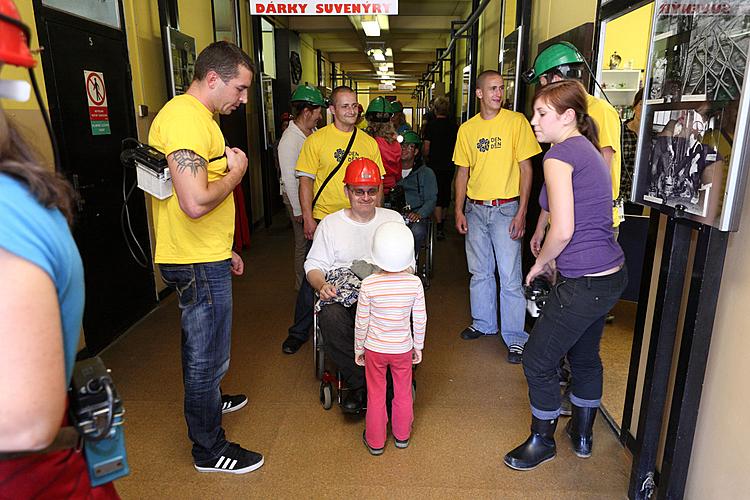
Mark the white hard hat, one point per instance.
(393, 247)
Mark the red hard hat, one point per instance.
(362, 172)
(14, 45)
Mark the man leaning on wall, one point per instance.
(194, 231)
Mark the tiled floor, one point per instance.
(471, 408)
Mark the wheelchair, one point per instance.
(424, 256)
(329, 380)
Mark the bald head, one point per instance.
(486, 74)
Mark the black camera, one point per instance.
(536, 295)
(95, 406)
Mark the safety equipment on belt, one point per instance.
(397, 107)
(362, 172)
(393, 247)
(308, 94)
(379, 110)
(563, 56)
(411, 137)
(14, 37)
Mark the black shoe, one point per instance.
(291, 345)
(580, 429)
(232, 403)
(515, 354)
(538, 448)
(234, 460)
(471, 333)
(440, 234)
(354, 402)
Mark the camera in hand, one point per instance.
(536, 295)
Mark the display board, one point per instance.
(693, 141)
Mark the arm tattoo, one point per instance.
(186, 159)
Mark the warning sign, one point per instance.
(96, 93)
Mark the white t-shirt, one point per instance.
(339, 240)
(289, 148)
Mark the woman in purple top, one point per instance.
(580, 245)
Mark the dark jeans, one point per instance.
(303, 308)
(205, 299)
(337, 328)
(419, 231)
(571, 323)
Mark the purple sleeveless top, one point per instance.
(593, 248)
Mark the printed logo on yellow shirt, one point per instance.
(339, 153)
(485, 144)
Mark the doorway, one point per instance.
(89, 90)
(622, 58)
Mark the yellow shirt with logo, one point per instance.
(608, 124)
(321, 153)
(185, 123)
(492, 149)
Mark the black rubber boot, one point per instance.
(537, 449)
(581, 430)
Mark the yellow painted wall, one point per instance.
(196, 20)
(489, 39)
(509, 23)
(629, 36)
(549, 18)
(309, 60)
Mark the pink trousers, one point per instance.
(402, 412)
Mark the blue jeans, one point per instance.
(205, 299)
(419, 230)
(489, 247)
(571, 324)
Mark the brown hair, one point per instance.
(442, 106)
(225, 59)
(19, 160)
(570, 94)
(386, 130)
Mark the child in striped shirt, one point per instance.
(389, 301)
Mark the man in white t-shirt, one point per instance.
(340, 239)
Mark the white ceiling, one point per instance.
(421, 27)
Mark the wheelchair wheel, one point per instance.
(428, 252)
(318, 353)
(326, 395)
(413, 391)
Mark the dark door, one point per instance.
(118, 290)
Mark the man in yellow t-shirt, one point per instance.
(321, 153)
(492, 154)
(194, 230)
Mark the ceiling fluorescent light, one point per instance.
(388, 52)
(371, 28)
(383, 67)
(378, 55)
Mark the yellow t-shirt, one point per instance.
(320, 155)
(185, 123)
(608, 124)
(491, 149)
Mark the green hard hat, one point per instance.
(411, 137)
(379, 105)
(306, 93)
(397, 107)
(557, 54)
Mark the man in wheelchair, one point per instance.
(415, 194)
(340, 257)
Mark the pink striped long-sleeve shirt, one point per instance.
(387, 302)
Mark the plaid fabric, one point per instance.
(629, 142)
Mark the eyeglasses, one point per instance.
(361, 192)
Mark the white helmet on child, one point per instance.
(393, 247)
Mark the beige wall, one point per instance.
(720, 464)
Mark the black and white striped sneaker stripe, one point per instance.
(225, 463)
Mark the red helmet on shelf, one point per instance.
(362, 172)
(14, 37)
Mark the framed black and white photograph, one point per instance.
(695, 104)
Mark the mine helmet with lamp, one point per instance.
(308, 94)
(14, 37)
(562, 56)
(379, 110)
(410, 137)
(393, 247)
(362, 172)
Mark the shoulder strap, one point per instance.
(333, 172)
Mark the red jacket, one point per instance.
(391, 155)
